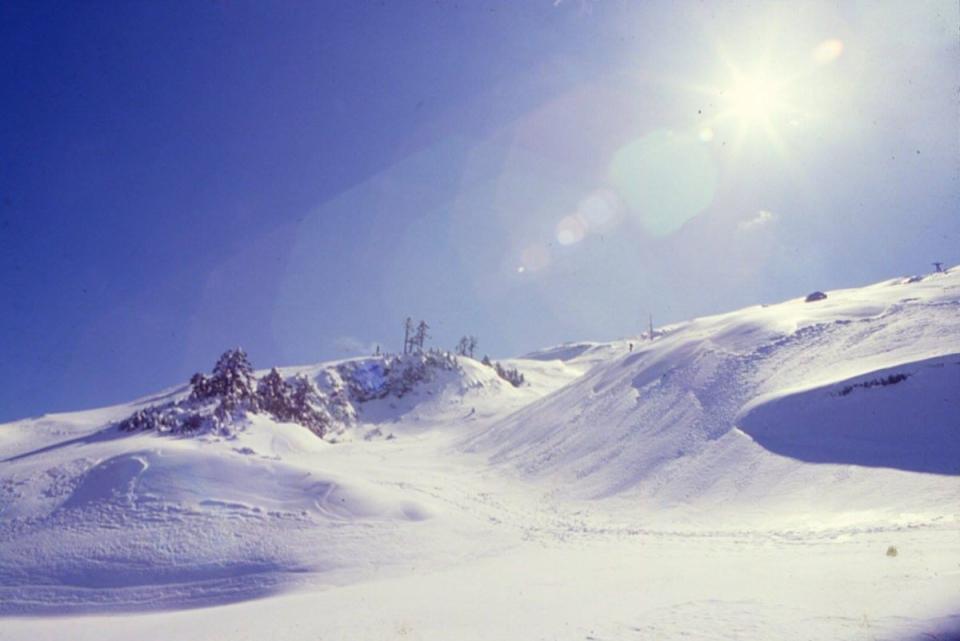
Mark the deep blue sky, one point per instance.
(296, 178)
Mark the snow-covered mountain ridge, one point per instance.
(697, 412)
(830, 425)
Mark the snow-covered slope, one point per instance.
(93, 516)
(636, 489)
(725, 411)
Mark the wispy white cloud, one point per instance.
(352, 345)
(763, 217)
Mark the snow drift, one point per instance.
(721, 411)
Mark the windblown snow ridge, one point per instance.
(865, 377)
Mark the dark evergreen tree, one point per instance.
(512, 375)
(141, 420)
(233, 376)
(421, 336)
(408, 332)
(275, 395)
(408, 335)
(308, 407)
(200, 384)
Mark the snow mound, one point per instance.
(325, 399)
(453, 398)
(94, 517)
(117, 521)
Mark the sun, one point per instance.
(762, 103)
(754, 99)
(768, 95)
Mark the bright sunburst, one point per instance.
(764, 99)
(762, 102)
(754, 98)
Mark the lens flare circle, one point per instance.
(600, 210)
(570, 230)
(534, 258)
(828, 51)
(664, 179)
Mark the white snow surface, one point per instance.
(741, 476)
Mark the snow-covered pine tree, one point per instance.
(308, 406)
(336, 395)
(233, 381)
(512, 375)
(200, 384)
(275, 395)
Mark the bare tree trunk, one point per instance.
(407, 335)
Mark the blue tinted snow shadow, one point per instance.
(108, 433)
(905, 417)
(102, 594)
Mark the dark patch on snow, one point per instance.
(892, 379)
